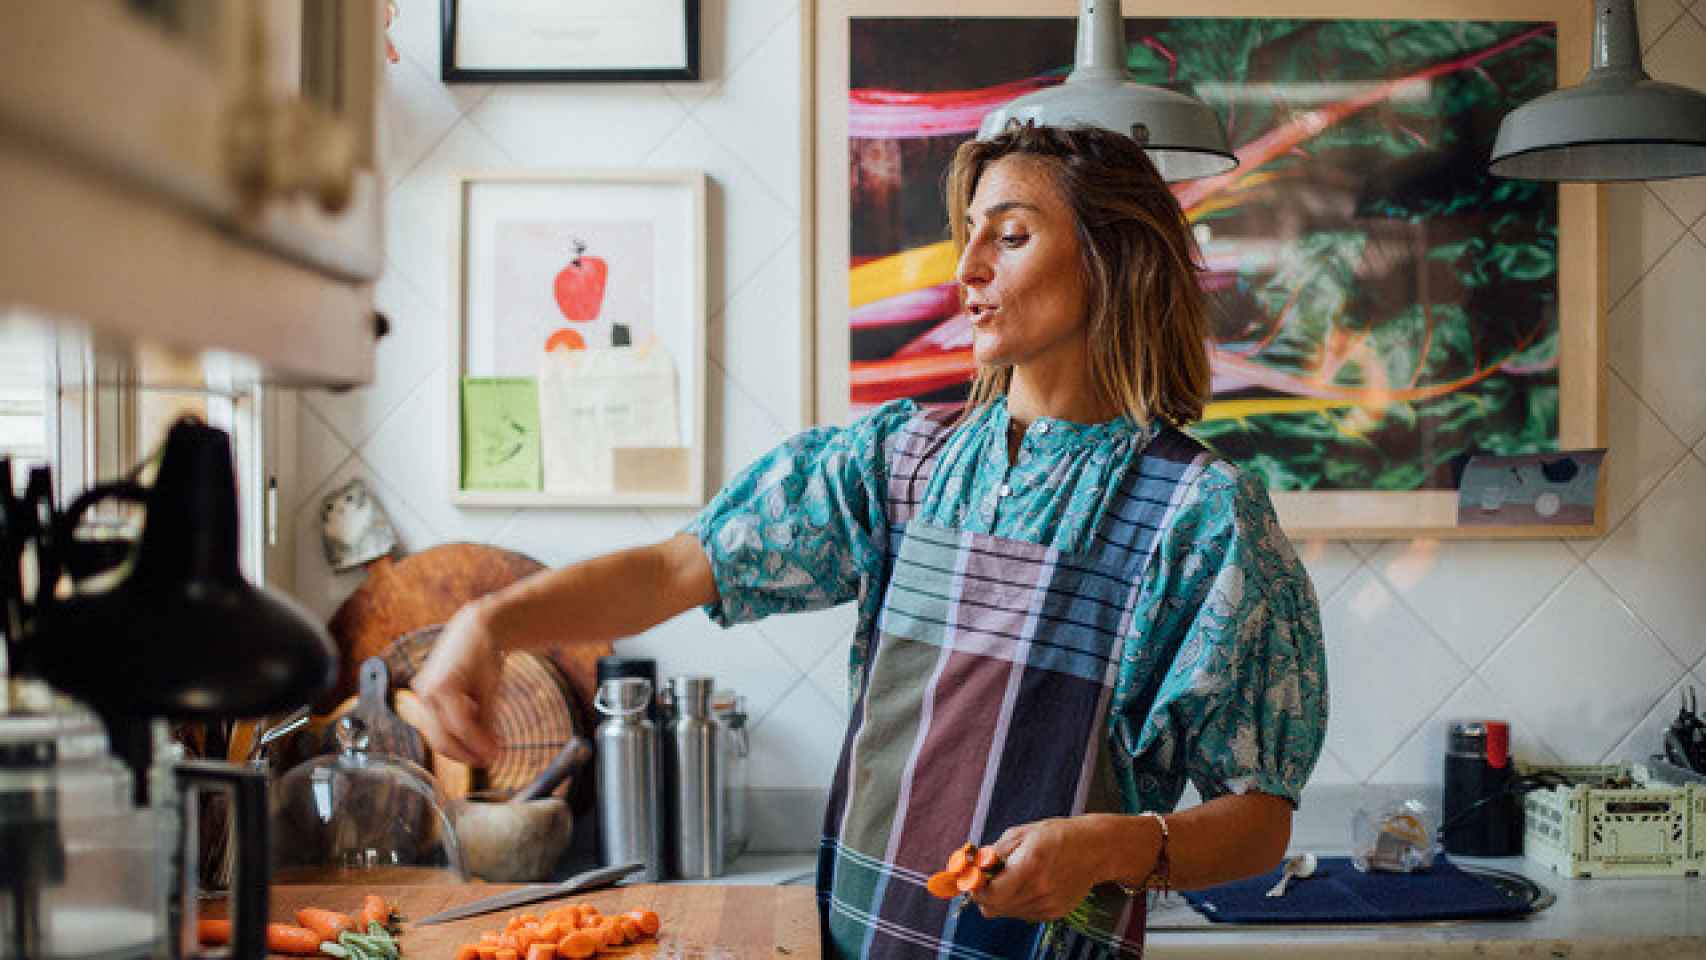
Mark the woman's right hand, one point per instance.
(458, 684)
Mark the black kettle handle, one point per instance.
(251, 881)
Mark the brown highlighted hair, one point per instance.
(1148, 318)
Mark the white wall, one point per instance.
(1582, 644)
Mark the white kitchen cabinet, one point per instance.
(197, 174)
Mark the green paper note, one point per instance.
(500, 433)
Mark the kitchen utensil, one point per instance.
(693, 770)
(564, 765)
(426, 589)
(519, 838)
(1685, 740)
(182, 635)
(629, 794)
(1300, 867)
(506, 840)
(386, 732)
(362, 816)
(533, 714)
(175, 632)
(580, 883)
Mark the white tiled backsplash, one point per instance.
(1581, 644)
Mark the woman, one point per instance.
(1068, 608)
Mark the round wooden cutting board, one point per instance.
(425, 590)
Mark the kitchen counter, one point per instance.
(703, 921)
(1626, 919)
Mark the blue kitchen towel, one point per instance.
(1340, 893)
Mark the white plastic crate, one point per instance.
(1593, 830)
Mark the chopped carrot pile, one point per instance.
(574, 931)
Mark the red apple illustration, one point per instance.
(580, 285)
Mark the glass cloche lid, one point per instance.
(361, 817)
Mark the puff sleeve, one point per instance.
(805, 526)
(1243, 703)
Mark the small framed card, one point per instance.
(500, 433)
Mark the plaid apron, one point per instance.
(983, 703)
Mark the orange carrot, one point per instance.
(508, 953)
(970, 881)
(468, 951)
(962, 858)
(941, 885)
(648, 921)
(488, 950)
(542, 951)
(373, 910)
(295, 941)
(327, 923)
(214, 933)
(630, 929)
(579, 945)
(988, 859)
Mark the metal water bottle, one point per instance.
(693, 755)
(627, 754)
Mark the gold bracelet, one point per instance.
(1158, 874)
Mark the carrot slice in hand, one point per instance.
(971, 881)
(942, 885)
(988, 859)
(962, 858)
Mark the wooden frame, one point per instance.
(1351, 514)
(451, 72)
(682, 332)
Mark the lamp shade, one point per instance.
(1618, 124)
(1180, 133)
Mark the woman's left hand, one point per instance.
(1051, 866)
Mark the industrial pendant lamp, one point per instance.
(1180, 133)
(1618, 124)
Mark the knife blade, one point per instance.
(579, 883)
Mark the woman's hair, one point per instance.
(1148, 319)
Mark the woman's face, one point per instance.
(1020, 270)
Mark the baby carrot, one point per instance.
(468, 951)
(214, 933)
(373, 910)
(295, 941)
(327, 923)
(542, 951)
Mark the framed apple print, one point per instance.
(585, 294)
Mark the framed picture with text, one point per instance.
(577, 333)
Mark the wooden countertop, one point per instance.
(706, 922)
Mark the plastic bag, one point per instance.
(1400, 836)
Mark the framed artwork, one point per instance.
(578, 339)
(1383, 309)
(569, 41)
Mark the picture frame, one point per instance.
(1574, 307)
(526, 41)
(589, 287)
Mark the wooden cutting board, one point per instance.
(427, 588)
(706, 921)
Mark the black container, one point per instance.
(1480, 817)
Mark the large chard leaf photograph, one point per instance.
(1383, 306)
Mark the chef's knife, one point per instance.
(580, 883)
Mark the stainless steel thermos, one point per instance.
(630, 828)
(693, 745)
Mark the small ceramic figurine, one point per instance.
(354, 527)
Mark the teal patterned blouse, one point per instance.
(1244, 706)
